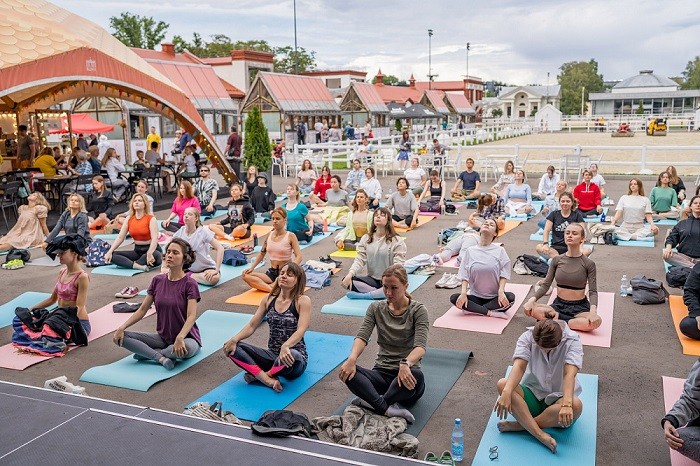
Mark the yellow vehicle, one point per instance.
(656, 127)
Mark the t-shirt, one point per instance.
(296, 218)
(204, 189)
(152, 138)
(23, 150)
(47, 165)
(634, 209)
(483, 267)
(190, 164)
(403, 206)
(170, 298)
(179, 206)
(200, 241)
(151, 157)
(337, 198)
(307, 177)
(598, 179)
(662, 199)
(414, 176)
(469, 180)
(560, 223)
(263, 199)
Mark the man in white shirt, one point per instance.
(318, 127)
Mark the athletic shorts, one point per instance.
(569, 309)
(273, 273)
(535, 406)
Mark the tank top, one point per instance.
(67, 291)
(282, 326)
(435, 192)
(280, 251)
(139, 228)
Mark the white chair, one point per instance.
(385, 159)
(520, 164)
(455, 165)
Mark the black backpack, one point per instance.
(647, 290)
(677, 275)
(534, 264)
(282, 423)
(22, 254)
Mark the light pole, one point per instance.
(430, 59)
(583, 90)
(295, 38)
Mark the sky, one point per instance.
(514, 41)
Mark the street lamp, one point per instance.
(468, 95)
(296, 57)
(430, 58)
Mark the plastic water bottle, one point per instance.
(602, 217)
(255, 240)
(624, 286)
(458, 441)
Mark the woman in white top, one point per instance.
(205, 270)
(111, 163)
(416, 176)
(507, 177)
(542, 390)
(484, 270)
(372, 187)
(598, 179)
(376, 251)
(548, 184)
(306, 177)
(633, 208)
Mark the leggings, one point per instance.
(482, 306)
(152, 346)
(126, 259)
(173, 227)
(380, 388)
(407, 219)
(253, 360)
(586, 213)
(303, 236)
(689, 328)
(365, 284)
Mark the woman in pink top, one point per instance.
(279, 246)
(185, 198)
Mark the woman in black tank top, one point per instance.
(434, 194)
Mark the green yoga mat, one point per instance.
(358, 307)
(26, 299)
(250, 401)
(216, 327)
(575, 445)
(441, 369)
(115, 271)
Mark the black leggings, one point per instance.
(253, 360)
(126, 259)
(380, 387)
(303, 236)
(408, 219)
(173, 227)
(586, 213)
(484, 305)
(689, 328)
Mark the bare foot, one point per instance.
(271, 382)
(249, 378)
(548, 441)
(510, 426)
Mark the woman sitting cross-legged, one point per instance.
(185, 198)
(73, 221)
(433, 191)
(572, 271)
(377, 250)
(335, 204)
(299, 220)
(30, 229)
(633, 208)
(396, 381)
(143, 228)
(175, 296)
(204, 269)
(664, 200)
(101, 204)
(357, 223)
(685, 237)
(403, 205)
(556, 224)
(240, 217)
(488, 207)
(484, 270)
(279, 246)
(517, 196)
(542, 390)
(288, 312)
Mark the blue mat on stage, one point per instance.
(358, 307)
(575, 445)
(250, 401)
(26, 299)
(216, 327)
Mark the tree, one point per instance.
(391, 80)
(576, 76)
(289, 61)
(138, 31)
(640, 108)
(692, 74)
(256, 145)
(497, 113)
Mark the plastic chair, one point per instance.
(9, 200)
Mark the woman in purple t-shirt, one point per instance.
(175, 296)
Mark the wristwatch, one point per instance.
(405, 361)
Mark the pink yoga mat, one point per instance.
(103, 321)
(601, 336)
(455, 319)
(429, 214)
(673, 388)
(451, 263)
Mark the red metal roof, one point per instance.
(440, 85)
(370, 97)
(460, 103)
(435, 99)
(300, 94)
(334, 73)
(232, 90)
(398, 94)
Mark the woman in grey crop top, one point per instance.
(572, 272)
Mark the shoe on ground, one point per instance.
(425, 270)
(127, 292)
(431, 458)
(13, 264)
(444, 279)
(452, 282)
(446, 458)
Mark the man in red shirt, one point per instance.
(233, 151)
(587, 195)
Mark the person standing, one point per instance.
(93, 141)
(82, 142)
(153, 137)
(233, 151)
(26, 148)
(301, 132)
(318, 127)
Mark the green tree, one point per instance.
(138, 31)
(391, 80)
(692, 74)
(640, 108)
(289, 61)
(497, 113)
(576, 76)
(256, 145)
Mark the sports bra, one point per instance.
(436, 192)
(67, 291)
(280, 251)
(139, 228)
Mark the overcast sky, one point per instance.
(515, 41)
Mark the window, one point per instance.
(333, 83)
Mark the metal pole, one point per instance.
(468, 94)
(583, 90)
(296, 70)
(430, 59)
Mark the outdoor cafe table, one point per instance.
(58, 185)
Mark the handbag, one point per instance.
(647, 290)
(430, 205)
(22, 254)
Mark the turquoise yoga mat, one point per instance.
(217, 213)
(250, 401)
(115, 271)
(537, 209)
(26, 299)
(575, 445)
(228, 273)
(595, 219)
(216, 327)
(261, 220)
(314, 240)
(358, 307)
(539, 235)
(636, 243)
(666, 221)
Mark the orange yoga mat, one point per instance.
(422, 220)
(679, 311)
(509, 225)
(249, 298)
(260, 230)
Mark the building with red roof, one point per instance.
(362, 102)
(241, 66)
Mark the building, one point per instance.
(472, 87)
(525, 101)
(362, 102)
(397, 94)
(657, 95)
(241, 67)
(340, 79)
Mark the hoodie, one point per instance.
(685, 236)
(263, 199)
(687, 408)
(240, 212)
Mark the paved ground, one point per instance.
(630, 406)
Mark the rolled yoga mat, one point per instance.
(537, 208)
(250, 401)
(678, 312)
(575, 445)
(441, 369)
(673, 389)
(26, 299)
(216, 327)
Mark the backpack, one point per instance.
(22, 254)
(282, 423)
(234, 258)
(676, 276)
(96, 251)
(530, 265)
(647, 290)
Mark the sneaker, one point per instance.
(444, 279)
(446, 458)
(453, 282)
(127, 292)
(13, 264)
(431, 458)
(425, 270)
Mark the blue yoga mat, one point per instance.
(315, 239)
(216, 327)
(250, 401)
(216, 213)
(116, 271)
(575, 445)
(537, 209)
(26, 299)
(228, 273)
(539, 235)
(636, 243)
(261, 220)
(595, 219)
(358, 307)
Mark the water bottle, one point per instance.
(624, 286)
(458, 441)
(255, 240)
(602, 217)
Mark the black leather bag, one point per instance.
(21, 254)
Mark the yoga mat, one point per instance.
(595, 219)
(441, 369)
(673, 389)
(667, 221)
(115, 271)
(539, 236)
(452, 262)
(102, 321)
(537, 208)
(429, 214)
(261, 220)
(250, 298)
(636, 243)
(228, 273)
(509, 225)
(26, 299)
(128, 241)
(260, 230)
(216, 327)
(358, 307)
(601, 336)
(250, 401)
(455, 319)
(341, 254)
(575, 445)
(422, 220)
(314, 239)
(44, 261)
(678, 312)
(217, 213)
